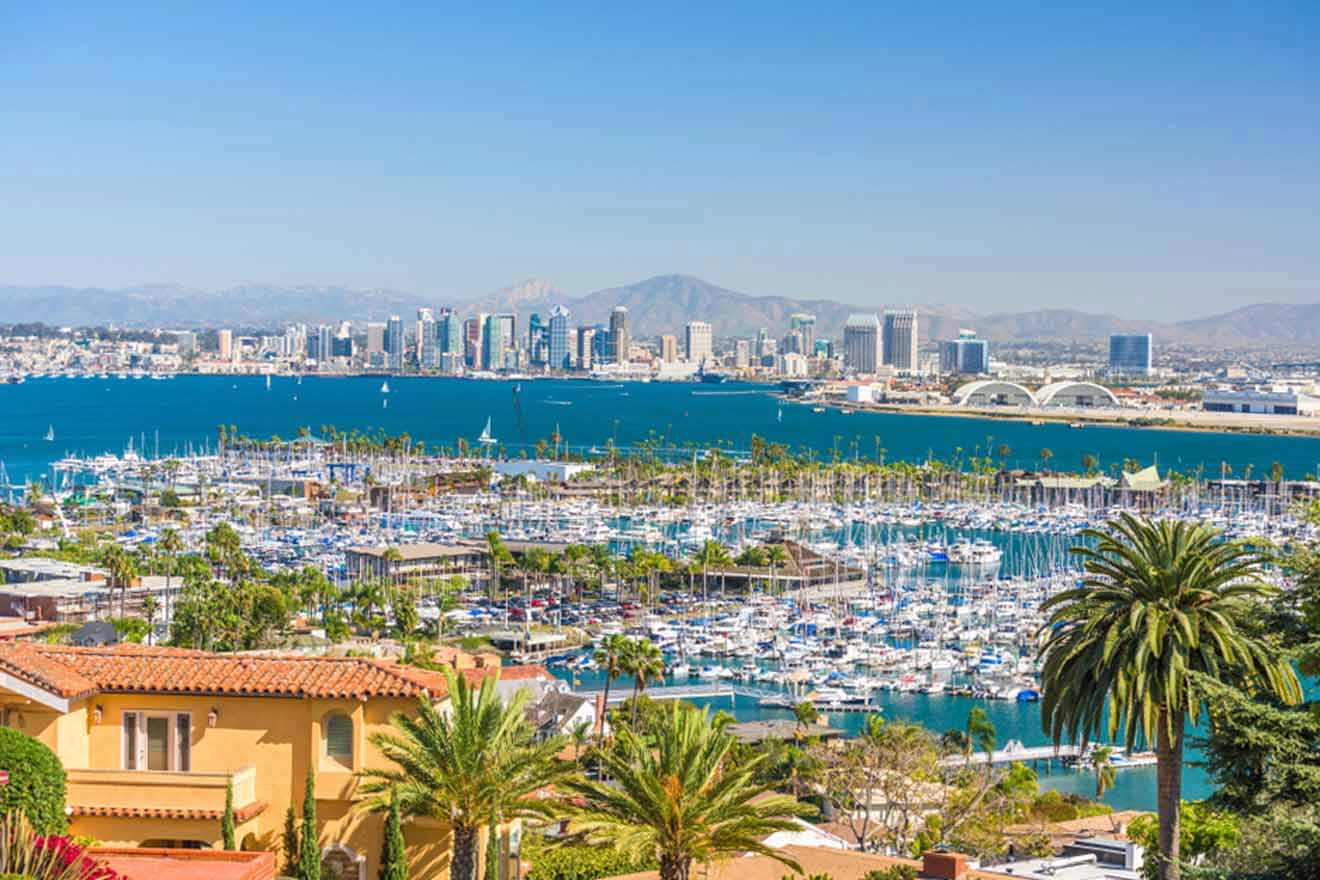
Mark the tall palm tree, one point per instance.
(464, 764)
(171, 545)
(676, 798)
(982, 734)
(1162, 605)
(609, 659)
(777, 557)
(644, 662)
(1105, 773)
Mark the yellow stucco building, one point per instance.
(151, 738)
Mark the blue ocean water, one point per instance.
(103, 415)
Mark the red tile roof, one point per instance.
(78, 672)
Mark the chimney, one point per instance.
(943, 865)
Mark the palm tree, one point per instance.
(1162, 606)
(643, 661)
(1104, 771)
(776, 557)
(675, 797)
(119, 565)
(464, 764)
(805, 714)
(171, 545)
(609, 658)
(982, 734)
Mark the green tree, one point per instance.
(644, 662)
(675, 798)
(609, 659)
(227, 820)
(1202, 832)
(36, 781)
(292, 859)
(1105, 772)
(1160, 603)
(309, 841)
(475, 759)
(394, 856)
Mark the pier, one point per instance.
(712, 691)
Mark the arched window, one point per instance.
(338, 732)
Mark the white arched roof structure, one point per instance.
(993, 392)
(1077, 394)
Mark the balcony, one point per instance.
(153, 794)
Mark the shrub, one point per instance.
(893, 872)
(575, 862)
(36, 781)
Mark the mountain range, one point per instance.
(662, 304)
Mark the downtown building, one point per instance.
(1130, 354)
(966, 354)
(861, 344)
(900, 346)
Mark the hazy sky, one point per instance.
(1005, 155)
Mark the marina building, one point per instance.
(1274, 402)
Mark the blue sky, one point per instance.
(1144, 161)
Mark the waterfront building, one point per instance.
(1264, 401)
(586, 347)
(493, 343)
(862, 344)
(225, 344)
(668, 349)
(474, 331)
(900, 345)
(449, 341)
(791, 364)
(1130, 354)
(698, 343)
(375, 344)
(428, 352)
(321, 346)
(155, 740)
(538, 345)
(763, 344)
(966, 354)
(619, 341)
(394, 342)
(560, 352)
(742, 354)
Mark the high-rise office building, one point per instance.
(325, 345)
(966, 354)
(1131, 353)
(861, 344)
(763, 343)
(697, 342)
(793, 343)
(225, 344)
(586, 338)
(186, 341)
(557, 333)
(742, 354)
(473, 344)
(619, 341)
(493, 342)
(376, 341)
(538, 344)
(508, 342)
(804, 324)
(668, 349)
(394, 342)
(428, 349)
(449, 341)
(899, 346)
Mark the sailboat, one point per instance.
(487, 438)
(50, 434)
(385, 387)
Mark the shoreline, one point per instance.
(1213, 423)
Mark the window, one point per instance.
(338, 733)
(159, 741)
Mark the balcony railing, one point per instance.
(97, 791)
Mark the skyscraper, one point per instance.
(449, 340)
(538, 346)
(697, 339)
(508, 342)
(428, 351)
(394, 342)
(225, 344)
(899, 346)
(619, 342)
(742, 354)
(375, 344)
(493, 345)
(473, 348)
(1130, 353)
(806, 325)
(586, 347)
(325, 345)
(668, 349)
(561, 356)
(861, 344)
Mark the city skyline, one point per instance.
(1014, 158)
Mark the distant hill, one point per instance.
(662, 304)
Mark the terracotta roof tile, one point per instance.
(241, 814)
(76, 672)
